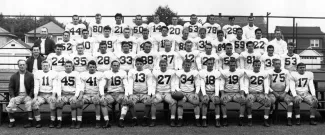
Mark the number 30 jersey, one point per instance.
(104, 60)
(57, 62)
(45, 82)
(69, 83)
(188, 81)
(164, 81)
(232, 81)
(301, 84)
(117, 81)
(279, 82)
(140, 81)
(90, 83)
(256, 82)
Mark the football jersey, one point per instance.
(220, 46)
(200, 43)
(68, 47)
(140, 81)
(193, 29)
(175, 30)
(110, 42)
(188, 81)
(75, 30)
(259, 44)
(172, 59)
(45, 82)
(210, 81)
(194, 56)
(164, 81)
(204, 57)
(249, 32)
(80, 61)
(89, 44)
(232, 82)
(257, 82)
(155, 29)
(141, 41)
(180, 43)
(149, 59)
(96, 29)
(127, 61)
(246, 59)
(118, 82)
(91, 82)
(132, 42)
(230, 31)
(290, 62)
(212, 29)
(69, 83)
(137, 30)
(302, 84)
(117, 29)
(238, 45)
(224, 60)
(267, 61)
(160, 42)
(279, 82)
(104, 60)
(57, 62)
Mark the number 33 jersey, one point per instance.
(140, 81)
(45, 82)
(90, 83)
(69, 83)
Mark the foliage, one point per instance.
(165, 15)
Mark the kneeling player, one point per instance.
(165, 82)
(210, 89)
(303, 89)
(232, 90)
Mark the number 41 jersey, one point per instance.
(91, 82)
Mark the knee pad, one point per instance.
(249, 104)
(59, 105)
(73, 106)
(180, 103)
(79, 104)
(9, 110)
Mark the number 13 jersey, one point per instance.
(140, 81)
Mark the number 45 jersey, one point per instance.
(69, 83)
(45, 82)
(90, 83)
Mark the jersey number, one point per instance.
(140, 77)
(302, 82)
(92, 81)
(257, 80)
(281, 76)
(103, 60)
(162, 77)
(68, 81)
(45, 81)
(185, 79)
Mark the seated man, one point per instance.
(303, 89)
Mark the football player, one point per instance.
(126, 58)
(239, 41)
(220, 42)
(259, 42)
(58, 59)
(138, 27)
(103, 58)
(210, 80)
(68, 45)
(148, 56)
(106, 38)
(161, 39)
(189, 85)
(249, 29)
(180, 41)
(126, 38)
(143, 39)
(232, 89)
(96, 28)
(227, 56)
(88, 42)
(193, 56)
(80, 59)
(279, 87)
(267, 58)
(175, 29)
(290, 59)
(164, 81)
(92, 93)
(208, 54)
(280, 46)
(45, 92)
(231, 29)
(211, 27)
(202, 40)
(303, 90)
(257, 88)
(247, 57)
(118, 27)
(155, 26)
(193, 26)
(69, 88)
(75, 28)
(170, 56)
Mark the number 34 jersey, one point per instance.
(45, 82)
(69, 83)
(188, 81)
(140, 81)
(90, 83)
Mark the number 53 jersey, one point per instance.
(69, 83)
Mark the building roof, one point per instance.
(19, 41)
(4, 32)
(302, 31)
(51, 26)
(310, 49)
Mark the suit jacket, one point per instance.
(30, 63)
(28, 82)
(49, 45)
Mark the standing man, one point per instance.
(75, 28)
(96, 28)
(46, 44)
(175, 30)
(35, 58)
(212, 27)
(249, 30)
(280, 46)
(155, 26)
(193, 26)
(138, 27)
(231, 29)
(21, 90)
(118, 27)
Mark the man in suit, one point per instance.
(21, 90)
(46, 44)
(34, 62)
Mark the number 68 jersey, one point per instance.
(301, 84)
(45, 82)
(69, 83)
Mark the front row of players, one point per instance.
(153, 87)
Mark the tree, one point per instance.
(46, 19)
(165, 15)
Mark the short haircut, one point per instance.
(125, 43)
(229, 44)
(68, 62)
(45, 28)
(58, 45)
(185, 29)
(138, 60)
(231, 18)
(211, 59)
(270, 46)
(239, 29)
(36, 46)
(276, 59)
(256, 61)
(163, 61)
(102, 43)
(220, 31)
(98, 14)
(155, 16)
(208, 44)
(291, 44)
(147, 42)
(118, 15)
(232, 61)
(188, 42)
(107, 28)
(92, 62)
(115, 61)
(301, 64)
(164, 27)
(203, 29)
(75, 16)
(45, 62)
(277, 30)
(66, 32)
(249, 42)
(145, 29)
(138, 16)
(258, 29)
(20, 61)
(126, 28)
(250, 17)
(193, 16)
(80, 45)
(84, 30)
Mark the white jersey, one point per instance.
(155, 29)
(160, 42)
(110, 42)
(140, 81)
(132, 42)
(194, 56)
(68, 47)
(117, 29)
(260, 44)
(249, 32)
(75, 30)
(149, 59)
(220, 46)
(247, 59)
(137, 30)
(267, 61)
(80, 61)
(279, 82)
(172, 59)
(204, 58)
(302, 84)
(290, 62)
(193, 29)
(199, 43)
(45, 82)
(257, 82)
(127, 61)
(188, 81)
(280, 46)
(180, 43)
(89, 44)
(175, 30)
(224, 60)
(91, 82)
(69, 83)
(210, 81)
(230, 30)
(118, 82)
(58, 61)
(239, 45)
(96, 29)
(104, 60)
(164, 81)
(141, 41)
(232, 82)
(212, 29)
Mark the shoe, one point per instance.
(289, 122)
(38, 124)
(241, 121)
(78, 125)
(172, 123)
(217, 123)
(134, 122)
(204, 123)
(97, 124)
(312, 121)
(120, 123)
(250, 122)
(298, 122)
(107, 124)
(225, 122)
(145, 121)
(180, 123)
(197, 123)
(73, 124)
(59, 124)
(11, 125)
(152, 123)
(51, 124)
(266, 123)
(29, 124)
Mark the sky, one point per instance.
(305, 8)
